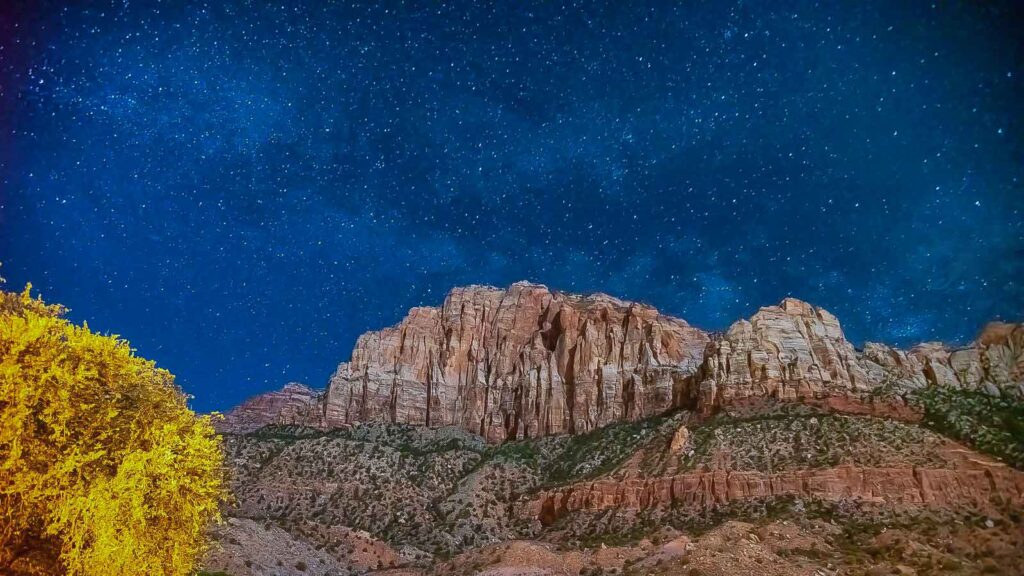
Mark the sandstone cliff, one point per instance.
(798, 351)
(782, 415)
(521, 362)
(294, 404)
(993, 363)
(890, 486)
(526, 361)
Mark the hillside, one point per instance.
(776, 447)
(444, 501)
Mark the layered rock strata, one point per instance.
(798, 351)
(526, 361)
(517, 363)
(993, 363)
(890, 486)
(294, 404)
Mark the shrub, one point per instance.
(103, 468)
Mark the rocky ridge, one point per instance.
(515, 363)
(294, 404)
(798, 351)
(972, 487)
(526, 362)
(375, 496)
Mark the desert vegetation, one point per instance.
(993, 424)
(103, 467)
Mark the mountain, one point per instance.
(527, 431)
(518, 363)
(515, 363)
(525, 362)
(296, 404)
(798, 351)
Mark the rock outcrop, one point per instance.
(993, 363)
(294, 404)
(526, 361)
(950, 488)
(798, 351)
(517, 363)
(789, 351)
(781, 413)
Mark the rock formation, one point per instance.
(377, 494)
(780, 414)
(521, 362)
(890, 486)
(798, 351)
(993, 363)
(788, 351)
(526, 361)
(294, 404)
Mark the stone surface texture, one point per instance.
(527, 361)
(890, 486)
(798, 351)
(294, 404)
(521, 362)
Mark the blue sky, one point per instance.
(241, 189)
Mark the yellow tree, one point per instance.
(103, 468)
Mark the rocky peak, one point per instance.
(527, 361)
(1001, 334)
(519, 362)
(795, 307)
(787, 351)
(299, 389)
(798, 351)
(994, 362)
(295, 403)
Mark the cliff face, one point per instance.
(294, 404)
(526, 361)
(781, 411)
(798, 351)
(950, 488)
(993, 363)
(521, 362)
(787, 351)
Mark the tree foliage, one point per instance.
(103, 468)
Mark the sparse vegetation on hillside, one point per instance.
(441, 492)
(801, 441)
(992, 424)
(564, 459)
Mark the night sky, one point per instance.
(242, 188)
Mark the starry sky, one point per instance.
(241, 188)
